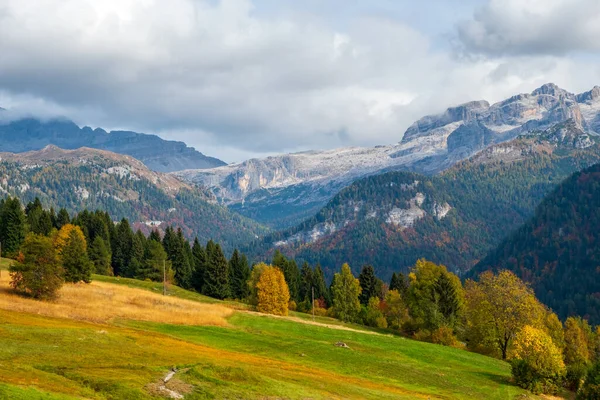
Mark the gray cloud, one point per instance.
(532, 27)
(234, 83)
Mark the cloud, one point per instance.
(234, 82)
(532, 27)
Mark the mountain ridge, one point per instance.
(122, 185)
(306, 181)
(30, 134)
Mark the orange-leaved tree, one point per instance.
(272, 292)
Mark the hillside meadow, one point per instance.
(67, 349)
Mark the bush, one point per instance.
(575, 376)
(444, 335)
(292, 305)
(37, 271)
(537, 363)
(590, 390)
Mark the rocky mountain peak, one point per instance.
(550, 89)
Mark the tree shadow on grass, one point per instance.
(501, 379)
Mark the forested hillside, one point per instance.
(455, 218)
(558, 250)
(124, 187)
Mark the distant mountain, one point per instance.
(123, 186)
(283, 190)
(157, 154)
(456, 218)
(558, 249)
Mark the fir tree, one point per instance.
(216, 277)
(290, 272)
(239, 273)
(75, 261)
(306, 283)
(122, 244)
(155, 235)
(448, 301)
(100, 256)
(12, 226)
(199, 265)
(137, 255)
(368, 284)
(155, 260)
(399, 283)
(62, 218)
(321, 290)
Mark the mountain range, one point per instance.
(96, 179)
(455, 218)
(160, 155)
(283, 190)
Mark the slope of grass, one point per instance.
(252, 357)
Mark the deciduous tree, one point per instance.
(272, 291)
(346, 290)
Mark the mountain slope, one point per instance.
(123, 186)
(284, 189)
(455, 218)
(558, 249)
(158, 154)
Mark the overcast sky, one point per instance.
(248, 78)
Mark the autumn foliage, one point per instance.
(272, 292)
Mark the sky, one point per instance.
(238, 79)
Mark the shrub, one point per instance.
(444, 335)
(537, 363)
(292, 305)
(590, 390)
(575, 376)
(37, 271)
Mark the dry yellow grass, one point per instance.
(102, 302)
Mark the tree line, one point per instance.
(497, 315)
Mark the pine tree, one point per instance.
(155, 259)
(100, 256)
(239, 273)
(122, 244)
(155, 235)
(399, 283)
(137, 255)
(12, 226)
(321, 289)
(368, 284)
(62, 218)
(175, 246)
(75, 261)
(38, 219)
(447, 298)
(216, 277)
(306, 283)
(199, 265)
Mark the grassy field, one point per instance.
(249, 357)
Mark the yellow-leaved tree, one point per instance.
(499, 306)
(61, 237)
(272, 292)
(537, 363)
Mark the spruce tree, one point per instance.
(75, 261)
(290, 272)
(122, 244)
(216, 277)
(306, 283)
(100, 256)
(447, 298)
(181, 260)
(12, 226)
(137, 255)
(239, 273)
(368, 284)
(155, 235)
(199, 265)
(62, 218)
(155, 260)
(399, 283)
(321, 290)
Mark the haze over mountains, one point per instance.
(295, 186)
(158, 154)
